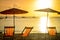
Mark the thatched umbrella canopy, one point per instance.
(48, 10)
(13, 11)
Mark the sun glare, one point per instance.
(43, 24)
(40, 4)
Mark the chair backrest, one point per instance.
(8, 31)
(26, 31)
(52, 31)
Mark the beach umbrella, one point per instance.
(13, 11)
(48, 10)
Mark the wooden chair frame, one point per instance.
(8, 32)
(52, 31)
(26, 31)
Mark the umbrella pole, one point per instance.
(47, 20)
(46, 23)
(14, 20)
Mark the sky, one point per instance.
(28, 5)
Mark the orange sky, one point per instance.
(28, 5)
